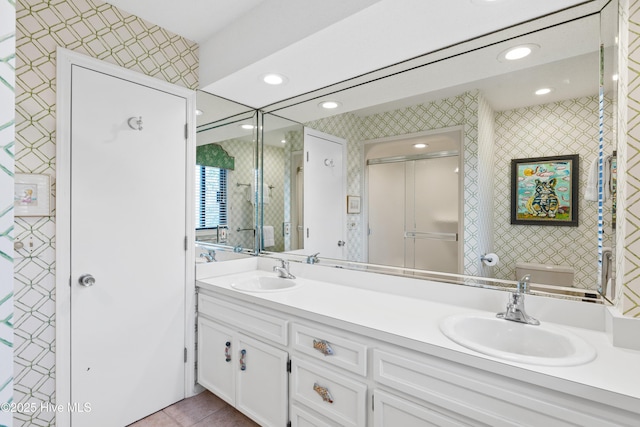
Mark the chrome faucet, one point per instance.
(515, 306)
(283, 269)
(313, 259)
(210, 256)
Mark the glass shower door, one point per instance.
(432, 242)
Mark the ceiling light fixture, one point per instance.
(284, 141)
(199, 112)
(544, 91)
(420, 145)
(517, 52)
(247, 127)
(329, 105)
(274, 79)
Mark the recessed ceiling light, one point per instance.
(615, 77)
(199, 112)
(329, 105)
(517, 52)
(284, 141)
(274, 79)
(420, 145)
(544, 91)
(247, 127)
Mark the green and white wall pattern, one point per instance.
(7, 138)
(101, 31)
(628, 224)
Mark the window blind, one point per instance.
(211, 197)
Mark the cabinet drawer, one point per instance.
(392, 411)
(330, 394)
(302, 418)
(488, 399)
(261, 324)
(331, 348)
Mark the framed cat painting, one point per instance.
(544, 190)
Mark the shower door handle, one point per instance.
(341, 243)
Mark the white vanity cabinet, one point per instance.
(249, 374)
(345, 373)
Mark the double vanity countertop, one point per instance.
(407, 312)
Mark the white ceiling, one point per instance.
(315, 44)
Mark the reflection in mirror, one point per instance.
(225, 173)
(493, 105)
(607, 150)
(283, 180)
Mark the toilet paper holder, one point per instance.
(489, 259)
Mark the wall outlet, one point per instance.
(222, 235)
(286, 229)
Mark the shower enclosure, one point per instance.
(414, 204)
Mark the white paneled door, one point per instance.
(128, 160)
(324, 194)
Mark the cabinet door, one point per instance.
(216, 363)
(391, 411)
(262, 382)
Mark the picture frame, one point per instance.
(32, 195)
(353, 204)
(544, 190)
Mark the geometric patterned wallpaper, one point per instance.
(630, 302)
(274, 178)
(566, 127)
(101, 31)
(7, 138)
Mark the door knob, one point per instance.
(341, 243)
(87, 280)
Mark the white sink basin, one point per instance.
(264, 284)
(518, 342)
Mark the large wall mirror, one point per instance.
(225, 178)
(427, 158)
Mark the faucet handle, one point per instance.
(283, 262)
(523, 284)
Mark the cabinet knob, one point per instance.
(243, 365)
(323, 392)
(323, 347)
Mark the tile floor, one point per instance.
(202, 410)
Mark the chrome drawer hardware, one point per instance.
(243, 365)
(227, 351)
(323, 392)
(323, 347)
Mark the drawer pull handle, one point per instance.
(323, 347)
(227, 351)
(243, 365)
(323, 392)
